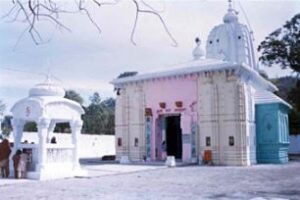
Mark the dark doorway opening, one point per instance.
(173, 137)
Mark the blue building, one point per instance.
(272, 128)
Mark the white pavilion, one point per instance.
(47, 106)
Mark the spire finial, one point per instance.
(231, 15)
(198, 51)
(48, 76)
(230, 8)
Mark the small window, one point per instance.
(269, 126)
(239, 37)
(218, 40)
(119, 142)
(231, 141)
(207, 141)
(136, 142)
(210, 42)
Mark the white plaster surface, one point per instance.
(90, 146)
(114, 181)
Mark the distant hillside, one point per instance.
(284, 84)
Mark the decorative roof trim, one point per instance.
(198, 66)
(266, 97)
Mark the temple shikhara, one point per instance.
(216, 103)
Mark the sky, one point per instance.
(86, 61)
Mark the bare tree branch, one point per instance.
(32, 12)
(138, 11)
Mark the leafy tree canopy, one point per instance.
(282, 47)
(95, 99)
(73, 95)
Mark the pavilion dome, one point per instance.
(231, 41)
(46, 100)
(47, 88)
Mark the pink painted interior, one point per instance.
(170, 90)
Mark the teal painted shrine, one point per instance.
(272, 132)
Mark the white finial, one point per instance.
(230, 5)
(48, 74)
(231, 15)
(198, 51)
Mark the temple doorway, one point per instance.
(173, 136)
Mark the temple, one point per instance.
(217, 103)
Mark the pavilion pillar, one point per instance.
(50, 131)
(17, 125)
(43, 126)
(76, 130)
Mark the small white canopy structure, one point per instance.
(47, 106)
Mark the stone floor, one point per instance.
(114, 181)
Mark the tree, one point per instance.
(99, 116)
(65, 127)
(282, 47)
(6, 126)
(73, 95)
(34, 13)
(30, 127)
(95, 99)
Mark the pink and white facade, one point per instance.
(204, 104)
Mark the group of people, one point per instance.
(20, 160)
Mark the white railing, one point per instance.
(55, 153)
(59, 154)
(32, 151)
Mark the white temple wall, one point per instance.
(90, 146)
(222, 116)
(130, 123)
(121, 125)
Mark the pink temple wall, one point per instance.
(170, 90)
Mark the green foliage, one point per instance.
(6, 126)
(294, 99)
(30, 127)
(95, 99)
(99, 116)
(73, 95)
(282, 47)
(294, 96)
(127, 74)
(284, 85)
(294, 122)
(289, 90)
(62, 128)
(65, 127)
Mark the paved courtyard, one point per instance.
(113, 181)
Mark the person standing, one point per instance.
(4, 158)
(16, 159)
(23, 163)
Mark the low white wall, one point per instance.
(294, 147)
(90, 146)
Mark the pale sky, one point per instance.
(85, 61)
